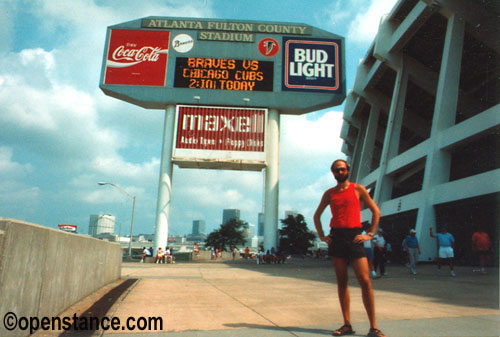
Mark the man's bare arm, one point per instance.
(317, 217)
(365, 197)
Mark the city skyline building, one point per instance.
(228, 214)
(260, 224)
(101, 224)
(199, 227)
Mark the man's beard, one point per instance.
(341, 178)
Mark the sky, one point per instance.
(61, 135)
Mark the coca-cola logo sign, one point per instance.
(137, 57)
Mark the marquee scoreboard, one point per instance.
(156, 61)
(223, 74)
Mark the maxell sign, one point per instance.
(216, 135)
(311, 65)
(137, 57)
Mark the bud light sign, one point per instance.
(311, 65)
(137, 57)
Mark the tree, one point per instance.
(230, 234)
(295, 237)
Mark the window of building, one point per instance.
(479, 72)
(417, 119)
(408, 180)
(476, 156)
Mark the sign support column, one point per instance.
(165, 183)
(271, 189)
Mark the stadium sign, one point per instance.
(157, 61)
(220, 137)
(223, 85)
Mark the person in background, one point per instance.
(144, 254)
(368, 246)
(160, 255)
(481, 246)
(235, 251)
(446, 244)
(411, 245)
(379, 252)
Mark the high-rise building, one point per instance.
(101, 223)
(260, 224)
(229, 214)
(421, 122)
(198, 227)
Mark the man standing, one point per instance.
(411, 245)
(345, 241)
(446, 242)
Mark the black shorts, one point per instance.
(482, 252)
(342, 244)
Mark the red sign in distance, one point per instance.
(137, 57)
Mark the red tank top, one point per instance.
(345, 207)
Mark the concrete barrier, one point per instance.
(43, 271)
(205, 255)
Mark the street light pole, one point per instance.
(131, 228)
(133, 213)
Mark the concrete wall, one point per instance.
(205, 255)
(43, 271)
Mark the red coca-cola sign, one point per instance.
(137, 57)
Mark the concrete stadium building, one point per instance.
(421, 123)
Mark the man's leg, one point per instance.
(413, 260)
(450, 263)
(382, 262)
(340, 266)
(361, 270)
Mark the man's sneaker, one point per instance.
(452, 273)
(374, 273)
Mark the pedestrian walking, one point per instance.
(368, 247)
(379, 252)
(411, 245)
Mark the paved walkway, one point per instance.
(296, 299)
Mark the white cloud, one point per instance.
(301, 137)
(10, 168)
(365, 25)
(13, 192)
(18, 195)
(55, 121)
